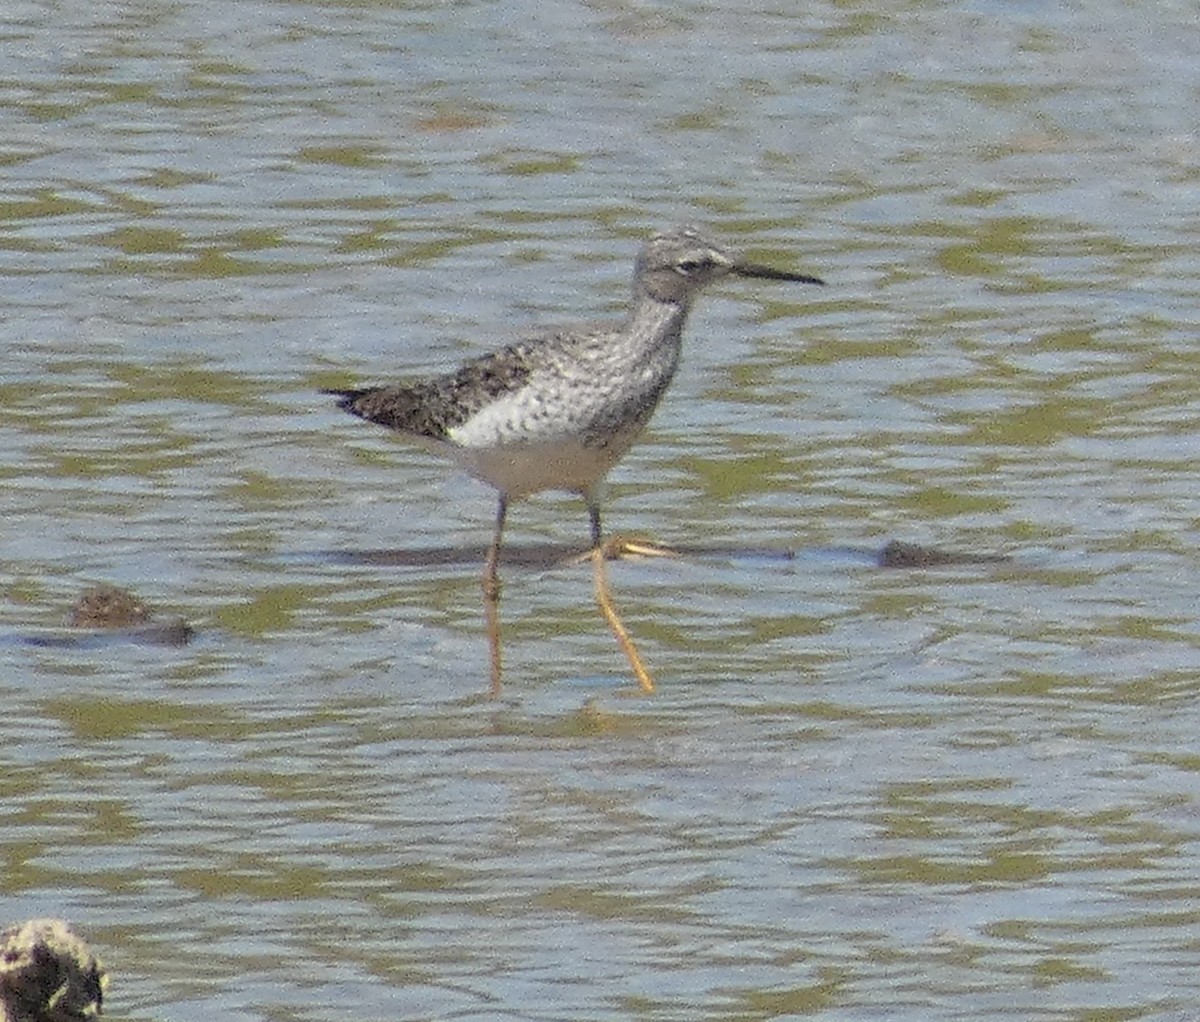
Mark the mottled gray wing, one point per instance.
(431, 408)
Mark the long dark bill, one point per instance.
(770, 273)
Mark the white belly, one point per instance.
(518, 470)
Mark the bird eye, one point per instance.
(690, 265)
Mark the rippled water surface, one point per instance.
(967, 792)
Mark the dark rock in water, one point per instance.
(119, 611)
(48, 974)
(105, 614)
(910, 555)
(170, 631)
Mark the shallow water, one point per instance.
(967, 792)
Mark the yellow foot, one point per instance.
(623, 548)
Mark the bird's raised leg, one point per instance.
(491, 595)
(605, 602)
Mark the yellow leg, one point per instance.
(491, 598)
(604, 600)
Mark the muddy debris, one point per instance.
(48, 974)
(105, 613)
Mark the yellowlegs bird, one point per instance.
(557, 410)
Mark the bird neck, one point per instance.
(654, 322)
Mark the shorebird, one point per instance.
(558, 409)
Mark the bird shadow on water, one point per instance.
(544, 556)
